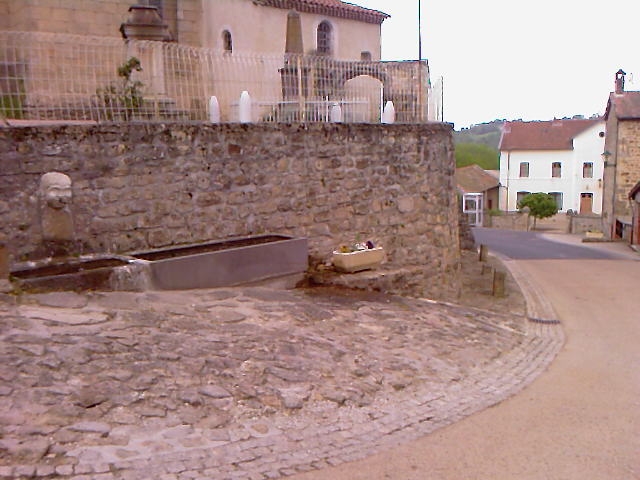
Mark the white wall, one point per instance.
(588, 147)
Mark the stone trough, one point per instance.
(208, 265)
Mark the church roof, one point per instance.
(332, 8)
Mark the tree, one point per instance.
(540, 205)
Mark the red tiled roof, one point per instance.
(473, 179)
(332, 8)
(626, 105)
(550, 135)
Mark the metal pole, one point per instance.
(420, 113)
(442, 98)
(419, 31)
(300, 97)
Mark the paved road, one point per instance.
(579, 420)
(538, 246)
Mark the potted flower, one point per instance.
(594, 234)
(357, 257)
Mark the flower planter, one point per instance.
(359, 260)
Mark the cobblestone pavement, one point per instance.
(243, 382)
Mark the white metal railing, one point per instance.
(70, 77)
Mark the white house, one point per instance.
(559, 157)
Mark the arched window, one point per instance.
(323, 40)
(227, 41)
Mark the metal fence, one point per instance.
(68, 77)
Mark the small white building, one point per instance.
(559, 157)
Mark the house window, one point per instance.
(524, 169)
(557, 196)
(227, 41)
(556, 169)
(587, 170)
(365, 56)
(520, 196)
(324, 38)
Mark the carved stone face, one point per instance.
(55, 189)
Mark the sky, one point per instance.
(510, 59)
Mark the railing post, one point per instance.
(498, 283)
(300, 95)
(484, 251)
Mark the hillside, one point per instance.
(479, 144)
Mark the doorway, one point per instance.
(472, 207)
(586, 203)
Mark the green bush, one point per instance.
(124, 97)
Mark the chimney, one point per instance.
(620, 81)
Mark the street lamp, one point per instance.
(605, 156)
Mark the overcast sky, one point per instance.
(514, 59)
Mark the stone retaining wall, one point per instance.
(142, 186)
(585, 223)
(508, 221)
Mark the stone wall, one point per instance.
(508, 221)
(621, 173)
(585, 223)
(143, 186)
(88, 17)
(628, 165)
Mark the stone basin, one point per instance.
(207, 265)
(226, 263)
(82, 273)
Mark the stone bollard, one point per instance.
(498, 283)
(484, 251)
(5, 286)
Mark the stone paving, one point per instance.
(244, 382)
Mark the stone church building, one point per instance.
(329, 27)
